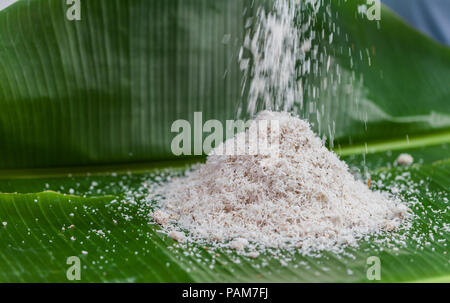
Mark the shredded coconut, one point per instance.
(303, 197)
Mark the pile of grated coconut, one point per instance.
(303, 197)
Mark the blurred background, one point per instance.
(6, 3)
(429, 16)
(107, 89)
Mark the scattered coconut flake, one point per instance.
(404, 160)
(161, 217)
(239, 244)
(253, 254)
(177, 236)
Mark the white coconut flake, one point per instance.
(161, 217)
(253, 254)
(304, 197)
(239, 244)
(177, 236)
(404, 160)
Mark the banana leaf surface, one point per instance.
(86, 109)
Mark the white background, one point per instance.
(5, 3)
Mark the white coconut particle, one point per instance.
(404, 160)
(177, 236)
(253, 254)
(304, 197)
(160, 217)
(239, 244)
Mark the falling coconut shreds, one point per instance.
(404, 160)
(301, 197)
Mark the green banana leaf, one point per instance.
(105, 90)
(104, 221)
